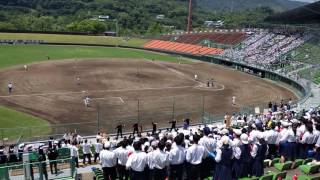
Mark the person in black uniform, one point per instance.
(119, 130)
(173, 124)
(242, 166)
(43, 164)
(12, 155)
(224, 161)
(261, 148)
(154, 128)
(3, 156)
(52, 156)
(135, 128)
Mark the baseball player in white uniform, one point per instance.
(233, 100)
(10, 87)
(25, 67)
(196, 77)
(87, 101)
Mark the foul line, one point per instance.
(93, 91)
(120, 98)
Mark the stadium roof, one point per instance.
(309, 14)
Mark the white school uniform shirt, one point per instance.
(208, 143)
(195, 154)
(98, 147)
(160, 159)
(74, 151)
(86, 148)
(137, 161)
(108, 158)
(150, 160)
(177, 155)
(307, 138)
(316, 134)
(253, 135)
(271, 136)
(122, 155)
(287, 135)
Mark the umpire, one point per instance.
(52, 156)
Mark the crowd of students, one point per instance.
(266, 47)
(220, 151)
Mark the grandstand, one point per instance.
(266, 47)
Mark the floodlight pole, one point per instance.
(189, 27)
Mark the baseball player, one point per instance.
(211, 82)
(196, 77)
(87, 101)
(233, 100)
(78, 80)
(10, 87)
(25, 67)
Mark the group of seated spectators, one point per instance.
(266, 47)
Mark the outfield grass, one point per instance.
(10, 119)
(24, 54)
(81, 39)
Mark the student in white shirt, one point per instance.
(194, 157)
(209, 145)
(271, 136)
(86, 149)
(137, 162)
(97, 148)
(122, 153)
(108, 161)
(177, 156)
(161, 161)
(74, 153)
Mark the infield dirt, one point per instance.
(50, 90)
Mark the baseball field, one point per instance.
(125, 86)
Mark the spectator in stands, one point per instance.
(86, 148)
(137, 162)
(108, 161)
(43, 164)
(3, 155)
(271, 137)
(223, 158)
(97, 148)
(122, 154)
(12, 154)
(52, 156)
(210, 145)
(259, 152)
(177, 158)
(74, 153)
(194, 157)
(160, 159)
(242, 164)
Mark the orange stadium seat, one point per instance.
(181, 47)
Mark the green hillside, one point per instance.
(134, 17)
